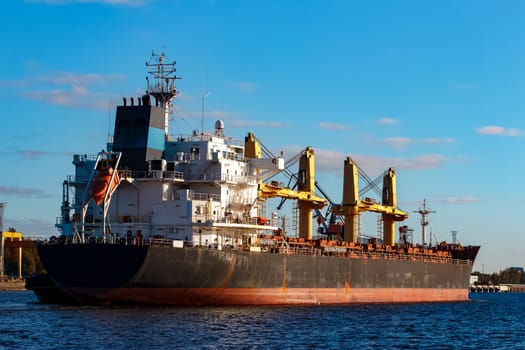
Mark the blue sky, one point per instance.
(432, 88)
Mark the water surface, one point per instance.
(488, 321)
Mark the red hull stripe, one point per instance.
(269, 296)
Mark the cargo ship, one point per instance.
(154, 219)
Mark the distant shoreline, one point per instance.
(12, 284)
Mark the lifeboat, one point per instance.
(103, 184)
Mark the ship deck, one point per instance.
(320, 247)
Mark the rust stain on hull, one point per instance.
(285, 268)
(229, 273)
(270, 296)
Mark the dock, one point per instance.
(11, 284)
(497, 288)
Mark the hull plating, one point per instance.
(193, 276)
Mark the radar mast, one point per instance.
(161, 83)
(424, 222)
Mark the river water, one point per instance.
(488, 321)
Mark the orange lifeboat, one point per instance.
(103, 184)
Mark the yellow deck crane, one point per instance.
(352, 206)
(305, 194)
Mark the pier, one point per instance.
(498, 288)
(8, 284)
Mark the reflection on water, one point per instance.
(488, 321)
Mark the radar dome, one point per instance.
(219, 125)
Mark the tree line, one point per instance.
(31, 263)
(512, 275)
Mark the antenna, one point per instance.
(204, 95)
(110, 139)
(161, 83)
(424, 222)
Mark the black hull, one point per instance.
(193, 276)
(46, 290)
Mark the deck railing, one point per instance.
(283, 246)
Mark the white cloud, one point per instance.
(388, 121)
(65, 89)
(400, 142)
(35, 228)
(333, 126)
(24, 192)
(70, 78)
(459, 200)
(499, 131)
(438, 140)
(428, 161)
(332, 162)
(77, 97)
(62, 78)
(328, 161)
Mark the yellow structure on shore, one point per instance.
(12, 236)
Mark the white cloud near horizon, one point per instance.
(24, 192)
(63, 78)
(65, 89)
(76, 97)
(69, 78)
(499, 131)
(333, 126)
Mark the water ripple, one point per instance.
(490, 321)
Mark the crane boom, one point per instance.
(273, 190)
(352, 206)
(305, 193)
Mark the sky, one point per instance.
(432, 88)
